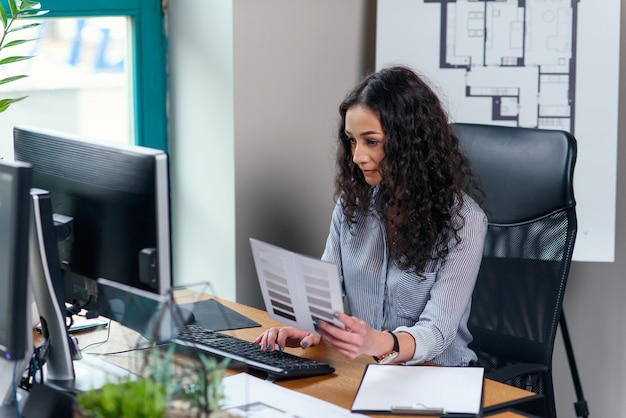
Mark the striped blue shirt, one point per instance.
(434, 309)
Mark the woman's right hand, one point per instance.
(281, 337)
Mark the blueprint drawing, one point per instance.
(519, 53)
(548, 64)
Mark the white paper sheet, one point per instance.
(297, 289)
(252, 397)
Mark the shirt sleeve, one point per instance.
(451, 293)
(332, 251)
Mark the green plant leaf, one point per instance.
(15, 43)
(137, 398)
(12, 78)
(5, 103)
(29, 5)
(13, 7)
(10, 60)
(3, 16)
(19, 9)
(29, 8)
(30, 14)
(18, 28)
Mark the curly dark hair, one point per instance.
(424, 172)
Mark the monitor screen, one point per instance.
(14, 234)
(111, 210)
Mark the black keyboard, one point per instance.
(275, 364)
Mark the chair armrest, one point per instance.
(505, 373)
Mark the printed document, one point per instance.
(297, 289)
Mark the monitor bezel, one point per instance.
(17, 323)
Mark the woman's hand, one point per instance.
(356, 339)
(281, 337)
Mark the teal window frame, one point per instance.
(148, 55)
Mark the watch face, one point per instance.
(389, 359)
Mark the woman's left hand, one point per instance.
(356, 339)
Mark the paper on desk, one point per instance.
(252, 397)
(296, 288)
(456, 390)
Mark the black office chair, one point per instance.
(526, 176)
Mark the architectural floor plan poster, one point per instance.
(550, 64)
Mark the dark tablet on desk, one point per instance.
(213, 315)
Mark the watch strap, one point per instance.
(389, 357)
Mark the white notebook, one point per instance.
(297, 289)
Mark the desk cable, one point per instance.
(99, 342)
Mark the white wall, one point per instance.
(255, 86)
(202, 143)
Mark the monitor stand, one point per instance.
(60, 370)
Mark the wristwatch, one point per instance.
(390, 357)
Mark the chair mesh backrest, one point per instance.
(519, 293)
(526, 176)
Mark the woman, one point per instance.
(406, 236)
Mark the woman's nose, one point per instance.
(358, 155)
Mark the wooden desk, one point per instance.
(339, 388)
(510, 414)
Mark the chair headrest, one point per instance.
(525, 173)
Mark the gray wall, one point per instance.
(294, 62)
(254, 91)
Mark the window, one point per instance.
(99, 71)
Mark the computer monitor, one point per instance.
(15, 322)
(111, 210)
(100, 210)
(14, 224)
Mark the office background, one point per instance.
(254, 90)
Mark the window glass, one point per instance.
(99, 71)
(78, 82)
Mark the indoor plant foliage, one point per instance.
(131, 398)
(171, 388)
(18, 10)
(193, 386)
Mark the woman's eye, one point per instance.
(372, 142)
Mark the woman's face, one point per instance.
(366, 137)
